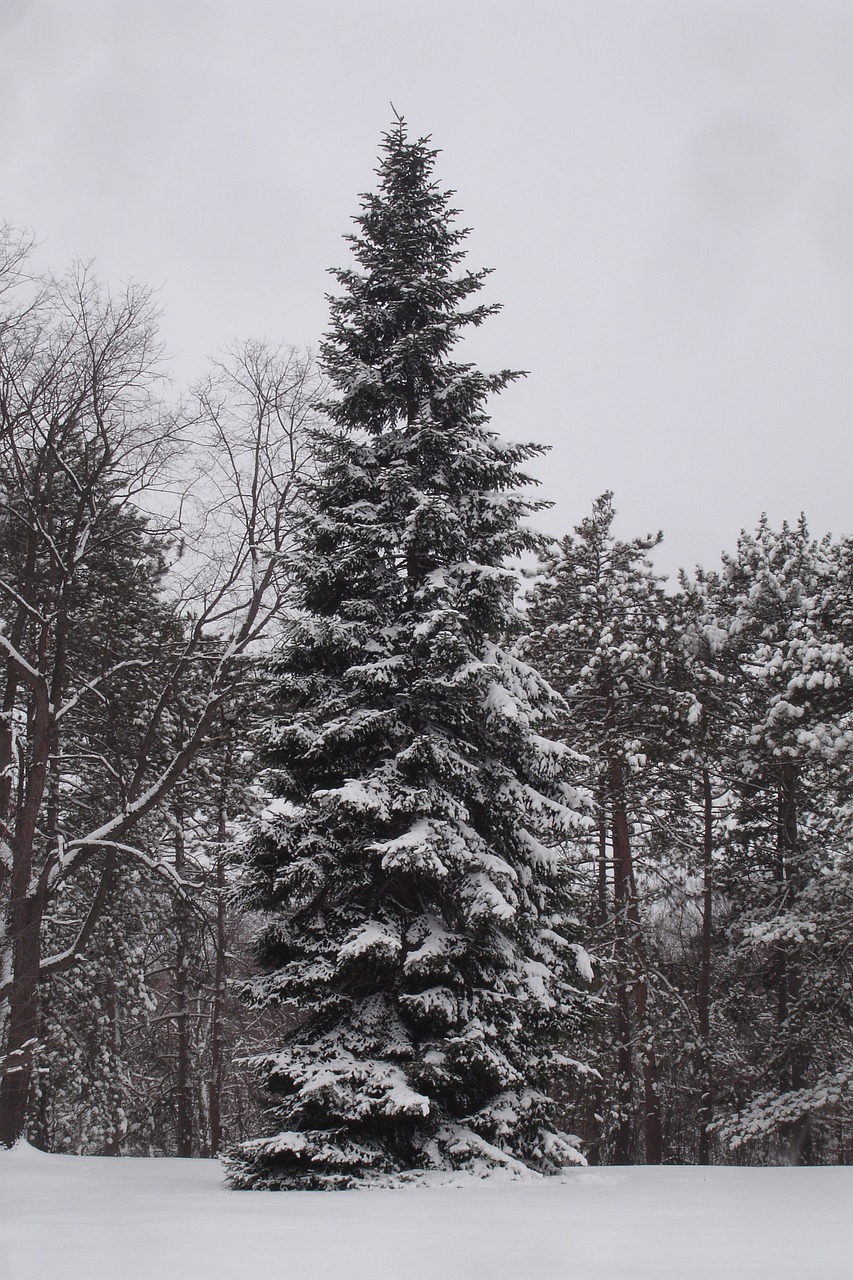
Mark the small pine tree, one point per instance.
(419, 910)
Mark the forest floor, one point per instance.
(79, 1218)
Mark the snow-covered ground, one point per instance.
(72, 1218)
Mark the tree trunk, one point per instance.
(623, 1140)
(797, 1135)
(183, 1091)
(217, 1027)
(218, 1044)
(23, 1021)
(113, 1144)
(629, 941)
(623, 1148)
(602, 855)
(706, 1102)
(22, 944)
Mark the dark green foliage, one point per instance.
(416, 918)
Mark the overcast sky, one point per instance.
(663, 187)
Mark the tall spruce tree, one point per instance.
(419, 907)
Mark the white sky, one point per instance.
(664, 188)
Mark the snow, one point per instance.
(583, 962)
(75, 1218)
(369, 797)
(499, 702)
(437, 942)
(375, 937)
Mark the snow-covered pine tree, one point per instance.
(598, 623)
(419, 907)
(780, 613)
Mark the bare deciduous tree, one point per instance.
(86, 444)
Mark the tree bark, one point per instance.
(23, 1020)
(797, 1135)
(633, 965)
(113, 1144)
(623, 1146)
(706, 1101)
(602, 855)
(183, 1090)
(23, 934)
(220, 975)
(217, 1024)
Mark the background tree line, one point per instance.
(716, 721)
(139, 568)
(141, 545)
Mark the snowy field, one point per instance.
(72, 1218)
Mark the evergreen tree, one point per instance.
(781, 608)
(707, 675)
(599, 621)
(417, 915)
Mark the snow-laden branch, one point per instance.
(29, 673)
(91, 685)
